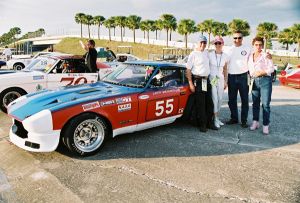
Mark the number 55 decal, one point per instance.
(160, 108)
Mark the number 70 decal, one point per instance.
(160, 107)
(71, 80)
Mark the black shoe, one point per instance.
(213, 127)
(203, 129)
(244, 125)
(231, 121)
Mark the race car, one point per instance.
(290, 76)
(19, 62)
(46, 72)
(135, 96)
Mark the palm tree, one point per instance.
(186, 27)
(239, 25)
(98, 20)
(148, 26)
(158, 25)
(200, 28)
(286, 37)
(219, 29)
(296, 32)
(207, 26)
(121, 22)
(133, 23)
(14, 31)
(88, 20)
(109, 23)
(168, 24)
(79, 17)
(143, 28)
(267, 31)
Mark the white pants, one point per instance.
(217, 93)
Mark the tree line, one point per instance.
(11, 35)
(185, 27)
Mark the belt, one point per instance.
(199, 77)
(238, 74)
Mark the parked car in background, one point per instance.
(18, 62)
(135, 96)
(2, 63)
(290, 76)
(47, 72)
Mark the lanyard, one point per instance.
(218, 63)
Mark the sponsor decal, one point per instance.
(38, 77)
(166, 91)
(123, 100)
(105, 103)
(244, 53)
(144, 97)
(90, 106)
(75, 74)
(124, 107)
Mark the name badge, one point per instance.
(204, 85)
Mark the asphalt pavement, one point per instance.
(173, 163)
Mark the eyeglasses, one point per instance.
(238, 38)
(217, 43)
(258, 45)
(203, 42)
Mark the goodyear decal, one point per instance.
(109, 102)
(90, 106)
(38, 77)
(124, 107)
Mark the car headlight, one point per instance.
(40, 122)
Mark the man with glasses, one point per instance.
(238, 79)
(197, 73)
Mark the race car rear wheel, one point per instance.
(18, 66)
(85, 134)
(9, 95)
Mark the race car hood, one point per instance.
(65, 97)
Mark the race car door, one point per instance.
(69, 72)
(161, 100)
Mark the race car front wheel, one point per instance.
(9, 95)
(18, 66)
(85, 134)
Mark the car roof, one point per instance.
(62, 56)
(154, 63)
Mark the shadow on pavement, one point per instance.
(184, 140)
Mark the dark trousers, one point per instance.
(261, 92)
(238, 83)
(204, 104)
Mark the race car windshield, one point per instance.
(41, 64)
(130, 75)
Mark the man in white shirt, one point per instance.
(238, 79)
(7, 53)
(197, 73)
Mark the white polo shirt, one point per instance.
(198, 63)
(238, 58)
(7, 52)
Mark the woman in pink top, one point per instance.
(260, 68)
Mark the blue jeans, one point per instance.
(238, 83)
(262, 91)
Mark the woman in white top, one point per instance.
(218, 77)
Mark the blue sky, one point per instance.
(57, 16)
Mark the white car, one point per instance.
(47, 72)
(120, 58)
(19, 62)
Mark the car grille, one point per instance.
(19, 129)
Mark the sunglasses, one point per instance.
(217, 43)
(203, 42)
(238, 38)
(258, 45)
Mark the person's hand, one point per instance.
(192, 88)
(269, 56)
(225, 86)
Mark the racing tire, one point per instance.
(18, 66)
(85, 134)
(9, 95)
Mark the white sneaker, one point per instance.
(220, 122)
(216, 123)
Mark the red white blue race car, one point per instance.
(135, 96)
(46, 72)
